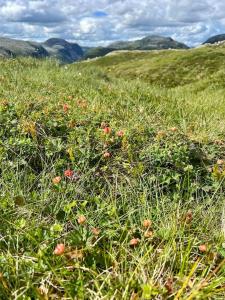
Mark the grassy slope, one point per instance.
(153, 173)
(168, 68)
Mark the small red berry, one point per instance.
(59, 249)
(147, 223)
(106, 155)
(81, 220)
(120, 133)
(69, 173)
(202, 248)
(107, 130)
(134, 242)
(95, 231)
(57, 180)
(65, 107)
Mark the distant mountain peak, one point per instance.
(60, 49)
(150, 42)
(215, 39)
(55, 41)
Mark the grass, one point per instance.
(165, 147)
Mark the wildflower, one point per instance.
(120, 133)
(65, 107)
(147, 223)
(70, 97)
(202, 248)
(69, 173)
(95, 231)
(148, 234)
(59, 249)
(173, 129)
(57, 180)
(107, 130)
(134, 242)
(106, 155)
(81, 220)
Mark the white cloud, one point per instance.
(189, 21)
(88, 25)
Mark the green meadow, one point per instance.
(112, 177)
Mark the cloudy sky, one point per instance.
(98, 22)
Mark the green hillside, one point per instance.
(112, 177)
(168, 68)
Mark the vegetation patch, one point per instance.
(112, 188)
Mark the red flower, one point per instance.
(106, 155)
(120, 133)
(95, 231)
(56, 180)
(107, 130)
(69, 173)
(147, 223)
(81, 220)
(59, 249)
(66, 107)
(134, 242)
(202, 248)
(174, 129)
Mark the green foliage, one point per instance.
(165, 149)
(170, 68)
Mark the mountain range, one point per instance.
(67, 52)
(152, 42)
(60, 49)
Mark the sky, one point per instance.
(99, 22)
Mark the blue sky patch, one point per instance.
(100, 14)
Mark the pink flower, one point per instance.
(66, 107)
(81, 220)
(107, 130)
(57, 180)
(59, 249)
(106, 155)
(68, 173)
(120, 133)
